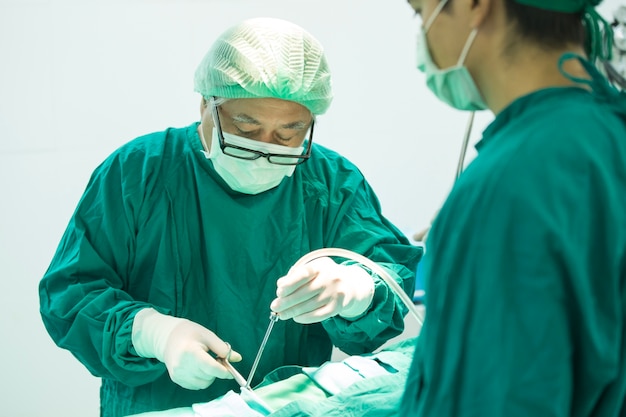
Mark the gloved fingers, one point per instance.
(196, 369)
(303, 283)
(296, 310)
(220, 348)
(302, 275)
(321, 313)
(295, 279)
(235, 357)
(189, 356)
(304, 299)
(309, 304)
(191, 382)
(209, 367)
(322, 289)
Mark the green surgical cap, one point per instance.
(564, 6)
(267, 58)
(599, 42)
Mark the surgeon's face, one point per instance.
(267, 120)
(447, 31)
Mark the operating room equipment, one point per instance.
(461, 162)
(468, 131)
(273, 319)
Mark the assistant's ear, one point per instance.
(481, 10)
(203, 106)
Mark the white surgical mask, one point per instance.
(455, 85)
(249, 176)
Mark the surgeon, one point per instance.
(526, 262)
(184, 240)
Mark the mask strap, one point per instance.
(466, 48)
(205, 145)
(432, 17)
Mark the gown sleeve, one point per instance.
(83, 302)
(357, 224)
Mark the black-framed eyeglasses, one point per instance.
(252, 154)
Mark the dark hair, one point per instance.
(544, 27)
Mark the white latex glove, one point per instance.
(183, 347)
(321, 289)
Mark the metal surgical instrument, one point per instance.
(238, 377)
(273, 319)
(253, 400)
(466, 136)
(225, 361)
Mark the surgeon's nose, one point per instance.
(265, 137)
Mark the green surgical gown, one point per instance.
(158, 227)
(526, 269)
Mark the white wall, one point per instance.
(79, 78)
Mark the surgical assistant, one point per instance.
(168, 227)
(525, 266)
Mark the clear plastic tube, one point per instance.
(373, 266)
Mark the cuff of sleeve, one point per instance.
(119, 355)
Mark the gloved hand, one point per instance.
(183, 347)
(321, 289)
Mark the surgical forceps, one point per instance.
(225, 361)
(253, 400)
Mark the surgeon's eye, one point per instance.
(285, 138)
(247, 133)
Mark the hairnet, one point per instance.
(599, 42)
(267, 57)
(565, 6)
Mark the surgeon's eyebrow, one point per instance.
(244, 118)
(296, 125)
